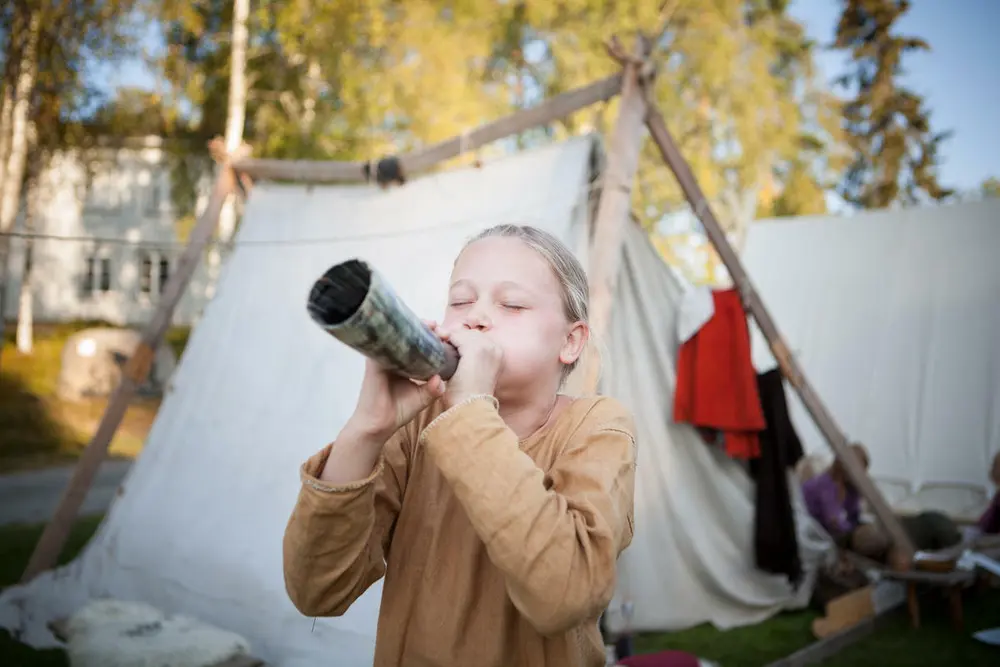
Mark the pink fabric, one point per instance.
(661, 659)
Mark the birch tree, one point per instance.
(24, 336)
(46, 55)
(235, 119)
(23, 47)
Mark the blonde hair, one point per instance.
(567, 268)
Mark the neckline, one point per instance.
(554, 418)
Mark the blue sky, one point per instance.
(958, 77)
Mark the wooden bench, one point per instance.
(938, 573)
(953, 582)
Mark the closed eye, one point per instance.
(511, 306)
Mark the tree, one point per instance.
(22, 64)
(888, 125)
(357, 79)
(45, 54)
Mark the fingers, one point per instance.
(435, 386)
(417, 397)
(459, 337)
(438, 331)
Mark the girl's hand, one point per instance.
(387, 402)
(479, 364)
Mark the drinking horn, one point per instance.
(353, 303)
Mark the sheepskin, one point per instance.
(114, 633)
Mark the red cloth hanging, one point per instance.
(716, 380)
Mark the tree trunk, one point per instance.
(10, 187)
(25, 315)
(25, 318)
(25, 85)
(15, 37)
(235, 119)
(6, 110)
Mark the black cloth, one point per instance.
(776, 546)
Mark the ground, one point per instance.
(36, 428)
(897, 644)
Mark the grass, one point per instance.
(16, 545)
(895, 644)
(37, 429)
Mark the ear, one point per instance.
(575, 341)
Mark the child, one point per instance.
(494, 505)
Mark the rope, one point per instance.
(524, 217)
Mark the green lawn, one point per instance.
(16, 545)
(36, 428)
(894, 645)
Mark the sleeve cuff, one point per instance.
(310, 470)
(456, 411)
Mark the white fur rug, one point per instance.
(113, 633)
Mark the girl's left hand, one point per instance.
(479, 365)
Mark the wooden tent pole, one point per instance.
(615, 204)
(789, 366)
(53, 539)
(323, 171)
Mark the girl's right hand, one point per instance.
(387, 402)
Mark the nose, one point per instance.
(477, 318)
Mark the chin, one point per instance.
(520, 387)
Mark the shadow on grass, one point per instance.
(28, 431)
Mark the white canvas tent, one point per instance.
(260, 387)
(895, 316)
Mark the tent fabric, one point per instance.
(197, 528)
(692, 559)
(894, 317)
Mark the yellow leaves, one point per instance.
(398, 75)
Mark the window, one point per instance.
(164, 273)
(88, 276)
(154, 272)
(145, 273)
(105, 274)
(97, 275)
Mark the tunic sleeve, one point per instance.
(338, 537)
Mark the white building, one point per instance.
(106, 237)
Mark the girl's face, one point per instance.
(505, 289)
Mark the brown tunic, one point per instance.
(496, 552)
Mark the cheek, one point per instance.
(528, 342)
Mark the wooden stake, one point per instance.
(789, 366)
(615, 205)
(53, 539)
(315, 171)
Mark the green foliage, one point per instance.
(75, 34)
(357, 79)
(896, 154)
